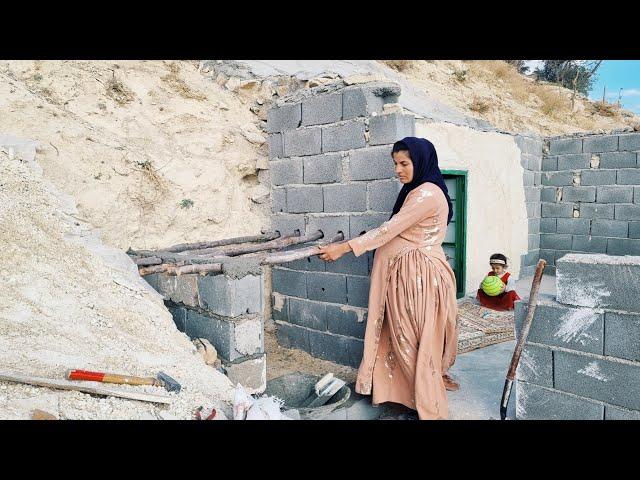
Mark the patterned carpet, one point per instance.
(480, 326)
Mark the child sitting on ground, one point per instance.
(508, 296)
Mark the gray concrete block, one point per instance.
(614, 194)
(382, 195)
(350, 264)
(179, 315)
(275, 144)
(549, 194)
(600, 143)
(529, 145)
(555, 241)
(322, 109)
(609, 228)
(549, 164)
(574, 161)
(534, 225)
(218, 331)
(179, 288)
(574, 226)
(322, 168)
(307, 313)
(622, 336)
(536, 366)
(549, 256)
(533, 209)
(329, 225)
(359, 224)
(279, 307)
(599, 281)
(558, 210)
(364, 101)
(596, 210)
(286, 224)
(557, 179)
(618, 160)
(634, 229)
(531, 162)
(312, 264)
(537, 179)
(305, 199)
(251, 373)
(623, 246)
(560, 254)
(608, 381)
(615, 413)
(598, 177)
(248, 337)
(628, 176)
(636, 194)
(589, 244)
(532, 194)
(562, 146)
(343, 136)
(286, 117)
(304, 141)
(579, 194)
(348, 321)
(548, 225)
(345, 197)
(326, 287)
(530, 258)
(358, 291)
(289, 282)
(385, 129)
(336, 348)
(279, 200)
(629, 142)
(230, 297)
(286, 172)
(533, 241)
(292, 336)
(627, 212)
(371, 163)
(528, 178)
(539, 403)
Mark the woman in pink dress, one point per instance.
(411, 337)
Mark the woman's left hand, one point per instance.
(333, 251)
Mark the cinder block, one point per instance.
(364, 101)
(322, 168)
(345, 198)
(286, 117)
(600, 143)
(371, 163)
(307, 313)
(329, 225)
(623, 246)
(608, 381)
(347, 321)
(548, 225)
(218, 331)
(528, 178)
(562, 146)
(336, 348)
(618, 160)
(532, 194)
(636, 194)
(279, 307)
(560, 254)
(589, 244)
(289, 282)
(531, 162)
(598, 177)
(179, 315)
(574, 161)
(304, 199)
(358, 291)
(634, 229)
(596, 210)
(534, 225)
(343, 136)
(382, 195)
(559, 325)
(539, 403)
(312, 264)
(599, 281)
(536, 366)
(279, 200)
(179, 288)
(549, 164)
(615, 413)
(555, 241)
(276, 149)
(529, 259)
(358, 224)
(622, 336)
(614, 194)
(537, 179)
(326, 287)
(533, 209)
(247, 336)
(557, 179)
(609, 228)
(292, 336)
(322, 109)
(579, 194)
(529, 145)
(304, 141)
(286, 172)
(574, 226)
(350, 264)
(549, 256)
(251, 374)
(384, 129)
(549, 194)
(230, 297)
(627, 212)
(629, 142)
(533, 241)
(628, 176)
(287, 224)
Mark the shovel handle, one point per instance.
(110, 378)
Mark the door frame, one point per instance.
(461, 177)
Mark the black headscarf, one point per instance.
(425, 169)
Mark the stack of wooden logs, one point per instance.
(209, 257)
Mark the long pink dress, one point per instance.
(411, 336)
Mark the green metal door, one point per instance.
(455, 239)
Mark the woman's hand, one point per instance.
(333, 251)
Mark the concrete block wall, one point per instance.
(582, 358)
(331, 170)
(590, 196)
(226, 311)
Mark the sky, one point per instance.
(615, 75)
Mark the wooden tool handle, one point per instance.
(110, 378)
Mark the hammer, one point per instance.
(162, 379)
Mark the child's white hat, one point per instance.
(497, 261)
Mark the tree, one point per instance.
(520, 65)
(577, 75)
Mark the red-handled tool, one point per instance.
(162, 380)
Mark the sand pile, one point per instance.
(68, 301)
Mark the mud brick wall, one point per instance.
(226, 311)
(331, 170)
(590, 196)
(582, 358)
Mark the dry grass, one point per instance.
(554, 103)
(460, 74)
(479, 105)
(118, 91)
(178, 85)
(604, 108)
(504, 75)
(399, 65)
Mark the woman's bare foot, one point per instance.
(449, 383)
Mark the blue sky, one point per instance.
(615, 74)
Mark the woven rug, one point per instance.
(480, 327)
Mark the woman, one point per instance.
(411, 338)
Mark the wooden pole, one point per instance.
(234, 250)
